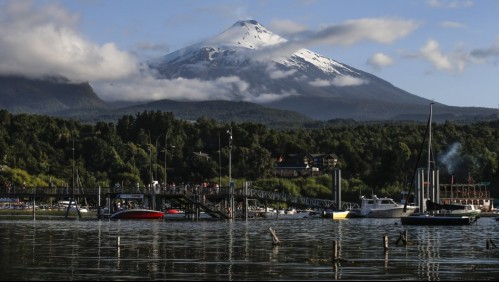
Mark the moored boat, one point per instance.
(454, 209)
(138, 214)
(73, 206)
(344, 214)
(383, 207)
(427, 188)
(432, 219)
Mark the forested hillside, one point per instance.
(38, 151)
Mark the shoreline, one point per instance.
(27, 214)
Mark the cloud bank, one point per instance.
(44, 41)
(380, 30)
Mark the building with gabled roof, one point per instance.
(304, 164)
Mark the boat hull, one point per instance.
(389, 213)
(343, 214)
(436, 220)
(138, 214)
(384, 207)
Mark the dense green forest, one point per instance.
(43, 151)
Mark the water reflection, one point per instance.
(239, 250)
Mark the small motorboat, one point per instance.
(138, 214)
(383, 208)
(344, 214)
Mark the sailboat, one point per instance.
(428, 194)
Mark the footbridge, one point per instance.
(193, 199)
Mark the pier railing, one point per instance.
(190, 191)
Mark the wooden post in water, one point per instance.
(34, 204)
(489, 244)
(335, 250)
(403, 237)
(385, 242)
(275, 240)
(118, 250)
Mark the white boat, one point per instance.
(468, 210)
(383, 207)
(72, 208)
(454, 209)
(290, 213)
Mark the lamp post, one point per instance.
(156, 159)
(231, 187)
(336, 174)
(150, 166)
(166, 146)
(73, 163)
(166, 152)
(219, 163)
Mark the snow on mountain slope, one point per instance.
(240, 40)
(249, 34)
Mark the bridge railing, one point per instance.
(200, 199)
(257, 193)
(297, 200)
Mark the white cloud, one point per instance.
(431, 52)
(39, 41)
(451, 24)
(348, 81)
(269, 97)
(380, 60)
(287, 27)
(145, 87)
(450, 3)
(380, 30)
(278, 74)
(454, 61)
(340, 81)
(320, 83)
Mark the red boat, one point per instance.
(138, 214)
(172, 211)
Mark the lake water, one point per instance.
(243, 250)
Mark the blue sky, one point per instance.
(443, 50)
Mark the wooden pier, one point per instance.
(192, 199)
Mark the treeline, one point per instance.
(43, 151)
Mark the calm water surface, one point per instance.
(239, 250)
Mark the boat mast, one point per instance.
(428, 178)
(419, 191)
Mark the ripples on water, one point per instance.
(239, 250)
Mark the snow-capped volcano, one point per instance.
(250, 41)
(256, 65)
